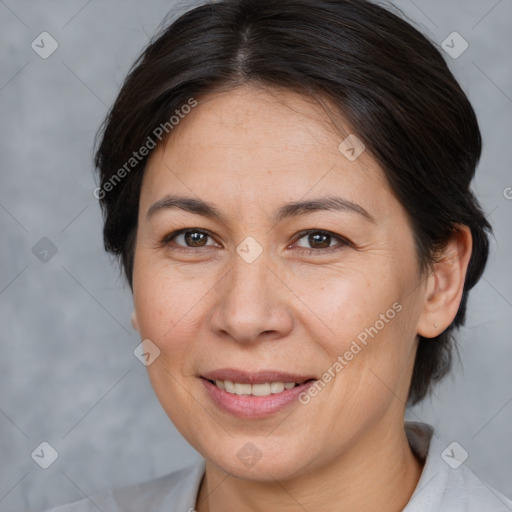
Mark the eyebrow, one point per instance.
(200, 207)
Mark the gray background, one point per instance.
(67, 372)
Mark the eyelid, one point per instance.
(342, 240)
(169, 237)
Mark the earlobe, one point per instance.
(133, 319)
(446, 284)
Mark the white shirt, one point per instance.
(445, 485)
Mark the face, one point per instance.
(254, 293)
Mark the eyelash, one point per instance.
(343, 242)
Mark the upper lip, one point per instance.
(259, 377)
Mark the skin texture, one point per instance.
(249, 151)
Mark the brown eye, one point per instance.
(320, 242)
(195, 238)
(188, 239)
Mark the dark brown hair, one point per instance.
(388, 81)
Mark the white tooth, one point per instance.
(261, 389)
(276, 387)
(229, 386)
(254, 389)
(242, 389)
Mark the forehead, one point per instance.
(252, 120)
(259, 144)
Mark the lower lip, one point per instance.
(253, 407)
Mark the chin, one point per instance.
(260, 460)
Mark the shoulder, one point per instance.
(175, 491)
(446, 483)
(460, 490)
(476, 494)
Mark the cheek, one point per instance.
(347, 302)
(165, 306)
(367, 334)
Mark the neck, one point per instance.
(380, 472)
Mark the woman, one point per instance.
(287, 185)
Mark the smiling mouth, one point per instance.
(261, 389)
(254, 394)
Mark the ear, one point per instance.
(133, 318)
(445, 284)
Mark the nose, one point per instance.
(252, 303)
